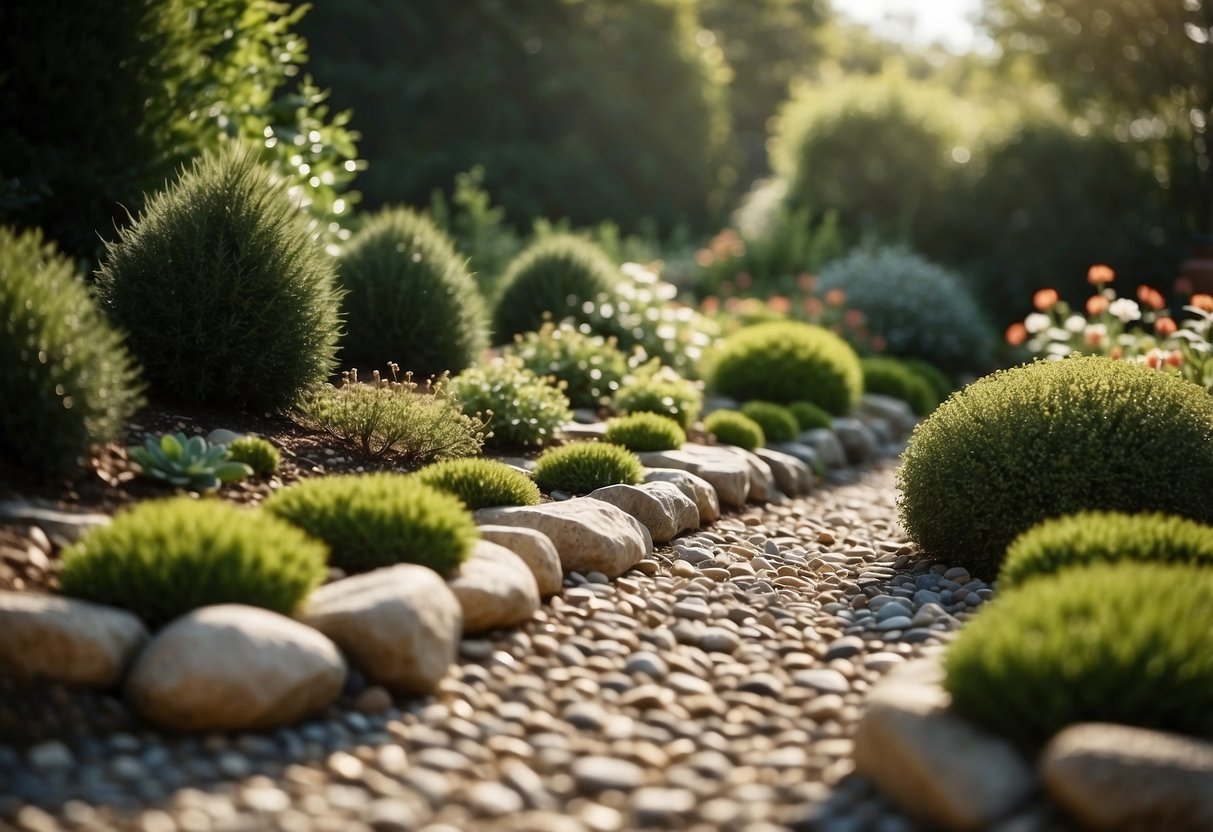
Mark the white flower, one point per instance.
(1036, 322)
(1075, 323)
(1125, 309)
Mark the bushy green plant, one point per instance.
(640, 432)
(163, 558)
(889, 377)
(656, 389)
(788, 362)
(777, 422)
(1093, 537)
(523, 409)
(1053, 438)
(733, 428)
(67, 381)
(591, 367)
(392, 418)
(937, 378)
(257, 453)
(187, 463)
(810, 417)
(410, 298)
(920, 309)
(553, 277)
(582, 467)
(227, 296)
(381, 519)
(481, 483)
(1125, 643)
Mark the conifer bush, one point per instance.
(582, 467)
(1048, 439)
(641, 432)
(163, 558)
(481, 483)
(226, 294)
(523, 409)
(889, 377)
(777, 422)
(380, 519)
(810, 417)
(410, 298)
(66, 381)
(592, 367)
(733, 428)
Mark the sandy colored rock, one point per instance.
(827, 446)
(664, 510)
(793, 477)
(495, 588)
(727, 472)
(536, 550)
(696, 487)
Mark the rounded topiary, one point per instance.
(582, 467)
(777, 422)
(810, 417)
(664, 393)
(553, 277)
(937, 378)
(1125, 643)
(227, 296)
(411, 299)
(641, 432)
(1092, 537)
(592, 367)
(889, 377)
(733, 428)
(66, 381)
(1053, 438)
(526, 411)
(481, 483)
(381, 519)
(163, 558)
(786, 362)
(257, 453)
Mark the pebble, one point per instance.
(596, 774)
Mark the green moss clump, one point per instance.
(733, 428)
(1126, 643)
(788, 362)
(641, 432)
(410, 297)
(381, 519)
(890, 377)
(810, 417)
(1094, 537)
(661, 391)
(591, 366)
(937, 378)
(481, 483)
(523, 409)
(1048, 439)
(257, 453)
(777, 422)
(163, 558)
(582, 467)
(66, 382)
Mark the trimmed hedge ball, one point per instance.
(733, 428)
(890, 377)
(641, 432)
(1049, 439)
(777, 422)
(481, 483)
(1093, 537)
(1126, 643)
(257, 453)
(810, 417)
(381, 519)
(786, 362)
(582, 467)
(163, 558)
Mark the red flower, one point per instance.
(779, 304)
(1203, 302)
(1151, 297)
(1097, 305)
(1165, 326)
(1044, 299)
(1016, 334)
(1099, 274)
(853, 318)
(836, 297)
(1174, 358)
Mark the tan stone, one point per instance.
(495, 589)
(536, 550)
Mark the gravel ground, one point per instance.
(714, 687)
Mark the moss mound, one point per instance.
(481, 483)
(582, 467)
(810, 417)
(733, 428)
(641, 432)
(777, 422)
(890, 377)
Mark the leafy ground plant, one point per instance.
(187, 463)
(522, 409)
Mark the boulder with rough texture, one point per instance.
(590, 535)
(727, 472)
(801, 453)
(792, 476)
(234, 668)
(932, 763)
(664, 510)
(400, 625)
(495, 588)
(692, 485)
(858, 440)
(762, 481)
(1122, 777)
(54, 639)
(895, 412)
(827, 446)
(536, 550)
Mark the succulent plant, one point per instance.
(187, 463)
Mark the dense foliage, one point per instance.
(810, 417)
(641, 432)
(733, 428)
(582, 467)
(481, 483)
(662, 391)
(522, 409)
(592, 367)
(778, 423)
(890, 377)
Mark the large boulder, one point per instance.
(664, 510)
(495, 588)
(696, 487)
(536, 550)
(792, 476)
(727, 472)
(762, 480)
(859, 441)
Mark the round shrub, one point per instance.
(66, 381)
(257, 453)
(889, 377)
(163, 558)
(526, 410)
(227, 296)
(937, 378)
(1093, 537)
(1125, 643)
(1053, 438)
(920, 309)
(481, 483)
(733, 428)
(777, 422)
(381, 519)
(554, 276)
(788, 362)
(410, 297)
(664, 393)
(582, 467)
(810, 417)
(592, 367)
(641, 432)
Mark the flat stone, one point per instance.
(597, 774)
(590, 535)
(495, 588)
(578, 430)
(844, 648)
(536, 550)
(827, 445)
(792, 476)
(57, 639)
(63, 527)
(858, 441)
(1122, 777)
(664, 510)
(233, 668)
(697, 488)
(724, 470)
(823, 679)
(399, 625)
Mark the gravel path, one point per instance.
(714, 687)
